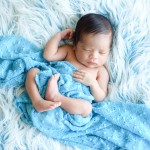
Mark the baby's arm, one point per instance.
(52, 52)
(97, 86)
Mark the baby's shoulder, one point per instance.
(103, 71)
(67, 47)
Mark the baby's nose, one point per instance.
(94, 55)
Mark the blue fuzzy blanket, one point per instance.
(111, 125)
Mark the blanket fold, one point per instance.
(111, 125)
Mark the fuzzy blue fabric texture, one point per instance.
(111, 125)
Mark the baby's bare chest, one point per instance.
(72, 59)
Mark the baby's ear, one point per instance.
(73, 39)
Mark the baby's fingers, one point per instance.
(79, 72)
(77, 75)
(79, 80)
(70, 34)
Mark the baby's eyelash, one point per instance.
(86, 49)
(102, 53)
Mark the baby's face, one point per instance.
(92, 51)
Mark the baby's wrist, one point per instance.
(58, 36)
(93, 83)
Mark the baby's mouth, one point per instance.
(92, 63)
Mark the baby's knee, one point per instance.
(87, 109)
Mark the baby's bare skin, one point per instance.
(38, 102)
(52, 93)
(44, 105)
(88, 54)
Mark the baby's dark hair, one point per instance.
(91, 23)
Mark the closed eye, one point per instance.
(87, 49)
(103, 52)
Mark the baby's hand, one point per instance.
(67, 34)
(83, 77)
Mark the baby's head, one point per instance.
(93, 39)
(92, 24)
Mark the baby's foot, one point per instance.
(44, 105)
(52, 88)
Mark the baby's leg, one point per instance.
(38, 102)
(52, 88)
(71, 105)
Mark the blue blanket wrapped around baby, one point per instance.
(111, 125)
